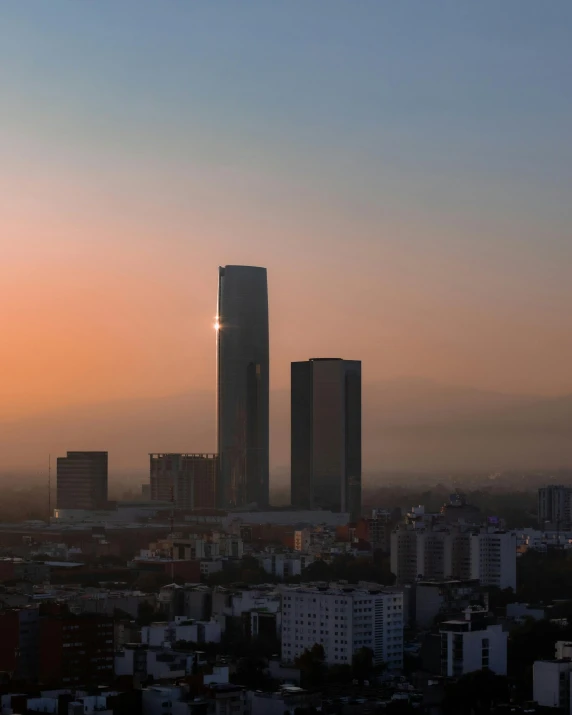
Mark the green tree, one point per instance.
(475, 693)
(145, 613)
(362, 664)
(311, 665)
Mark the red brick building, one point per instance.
(75, 649)
(19, 642)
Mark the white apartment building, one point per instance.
(551, 684)
(284, 565)
(343, 619)
(452, 553)
(493, 558)
(439, 554)
(472, 644)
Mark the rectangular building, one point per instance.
(19, 642)
(487, 556)
(326, 435)
(551, 684)
(555, 507)
(472, 644)
(75, 649)
(188, 479)
(493, 558)
(343, 620)
(243, 363)
(82, 481)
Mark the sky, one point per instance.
(402, 169)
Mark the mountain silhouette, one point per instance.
(408, 424)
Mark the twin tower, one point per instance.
(325, 416)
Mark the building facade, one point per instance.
(486, 555)
(472, 644)
(555, 507)
(493, 558)
(242, 386)
(343, 620)
(75, 649)
(189, 480)
(326, 435)
(82, 481)
(551, 684)
(19, 642)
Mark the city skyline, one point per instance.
(346, 481)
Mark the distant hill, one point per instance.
(408, 424)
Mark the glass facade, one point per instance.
(242, 386)
(326, 435)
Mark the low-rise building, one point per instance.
(284, 565)
(181, 629)
(218, 699)
(444, 599)
(137, 659)
(286, 701)
(551, 684)
(472, 644)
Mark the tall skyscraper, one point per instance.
(326, 435)
(82, 480)
(242, 386)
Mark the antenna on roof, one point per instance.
(49, 487)
(172, 525)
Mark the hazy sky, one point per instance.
(403, 169)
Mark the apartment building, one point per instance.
(343, 619)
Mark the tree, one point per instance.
(339, 674)
(362, 664)
(251, 672)
(475, 693)
(145, 613)
(311, 665)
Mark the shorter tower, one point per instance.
(188, 479)
(326, 435)
(82, 481)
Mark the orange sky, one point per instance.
(100, 306)
(411, 203)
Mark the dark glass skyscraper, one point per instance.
(326, 435)
(242, 386)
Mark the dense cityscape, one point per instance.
(285, 357)
(198, 596)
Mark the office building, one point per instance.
(326, 435)
(343, 620)
(555, 507)
(472, 644)
(242, 386)
(189, 480)
(82, 481)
